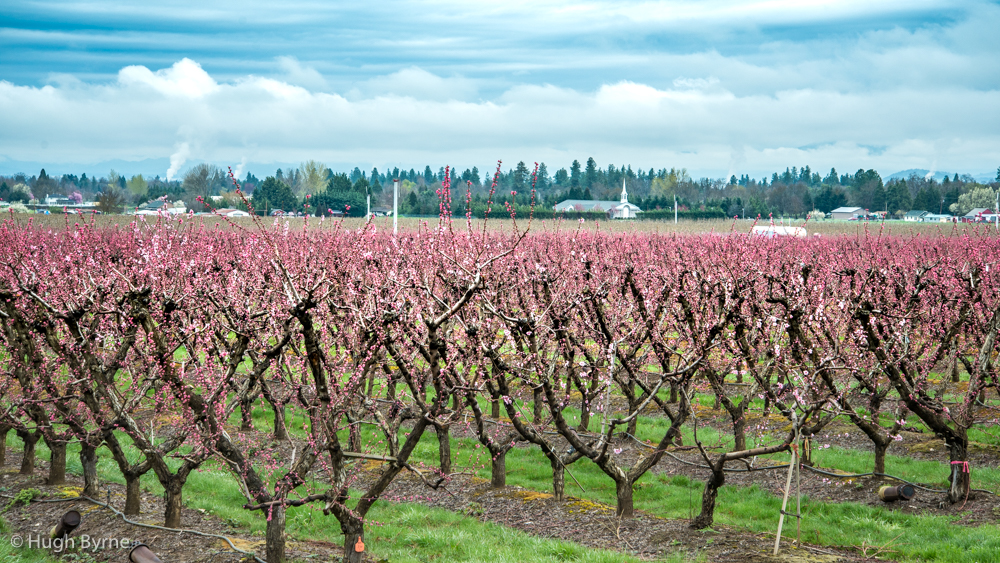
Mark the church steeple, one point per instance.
(624, 198)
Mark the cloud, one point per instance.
(171, 111)
(185, 78)
(718, 87)
(293, 72)
(416, 83)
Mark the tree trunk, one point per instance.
(275, 535)
(444, 447)
(707, 515)
(880, 449)
(88, 460)
(246, 415)
(132, 495)
(57, 463)
(537, 405)
(495, 409)
(280, 432)
(354, 437)
(673, 392)
(28, 457)
(623, 492)
(960, 478)
(173, 505)
(558, 480)
(584, 416)
(351, 537)
(3, 446)
(740, 432)
(499, 466)
(634, 423)
(390, 393)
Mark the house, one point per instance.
(935, 218)
(847, 212)
(161, 206)
(620, 209)
(978, 215)
(915, 215)
(771, 231)
(229, 212)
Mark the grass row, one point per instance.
(403, 532)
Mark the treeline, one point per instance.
(316, 189)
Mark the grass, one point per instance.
(11, 554)
(412, 532)
(400, 532)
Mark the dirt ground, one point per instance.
(537, 513)
(577, 520)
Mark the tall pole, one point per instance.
(675, 209)
(395, 204)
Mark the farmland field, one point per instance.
(584, 392)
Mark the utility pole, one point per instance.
(675, 209)
(395, 205)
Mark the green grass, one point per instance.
(412, 532)
(10, 554)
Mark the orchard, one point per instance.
(163, 343)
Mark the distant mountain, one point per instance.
(149, 167)
(938, 176)
(920, 173)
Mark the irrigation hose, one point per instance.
(813, 469)
(152, 526)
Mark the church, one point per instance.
(621, 209)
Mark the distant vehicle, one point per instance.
(771, 231)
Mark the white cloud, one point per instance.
(185, 113)
(185, 78)
(294, 72)
(416, 83)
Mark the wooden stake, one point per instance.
(788, 487)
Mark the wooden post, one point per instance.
(788, 486)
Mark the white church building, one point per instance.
(620, 209)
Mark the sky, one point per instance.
(717, 87)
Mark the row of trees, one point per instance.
(109, 331)
(795, 192)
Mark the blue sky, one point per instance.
(717, 87)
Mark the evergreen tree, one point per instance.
(928, 199)
(590, 179)
(542, 179)
(273, 194)
(562, 178)
(898, 197)
(520, 179)
(574, 174)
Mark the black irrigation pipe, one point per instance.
(152, 526)
(813, 469)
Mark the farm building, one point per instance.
(846, 212)
(978, 215)
(620, 209)
(915, 215)
(770, 231)
(935, 218)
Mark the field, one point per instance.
(579, 392)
